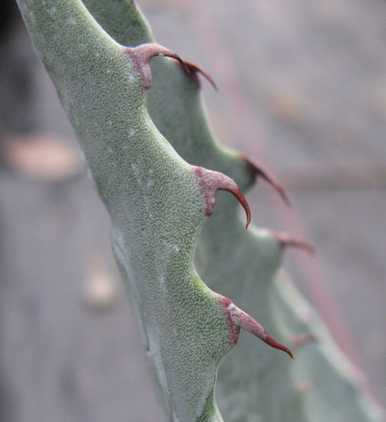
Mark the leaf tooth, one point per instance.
(256, 170)
(240, 319)
(211, 181)
(142, 54)
(194, 69)
(286, 240)
(273, 343)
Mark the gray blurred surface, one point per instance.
(302, 88)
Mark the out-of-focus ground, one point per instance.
(303, 89)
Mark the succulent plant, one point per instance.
(157, 168)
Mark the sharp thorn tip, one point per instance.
(194, 68)
(256, 170)
(273, 343)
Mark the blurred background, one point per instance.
(302, 87)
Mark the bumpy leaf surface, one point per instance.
(153, 197)
(157, 208)
(253, 383)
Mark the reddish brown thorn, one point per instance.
(212, 181)
(302, 340)
(286, 240)
(273, 343)
(257, 170)
(239, 319)
(194, 69)
(142, 55)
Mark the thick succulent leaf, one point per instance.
(254, 383)
(174, 101)
(139, 176)
(154, 198)
(332, 387)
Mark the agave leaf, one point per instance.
(253, 383)
(158, 203)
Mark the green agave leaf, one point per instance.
(158, 205)
(254, 383)
(157, 202)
